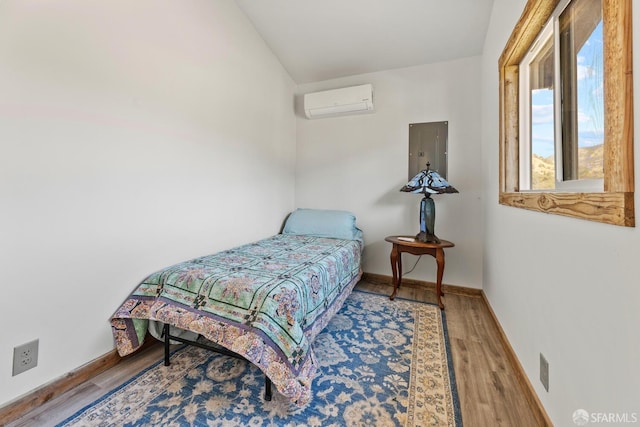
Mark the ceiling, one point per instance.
(321, 40)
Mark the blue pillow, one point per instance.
(323, 223)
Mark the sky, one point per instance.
(590, 101)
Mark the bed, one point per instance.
(265, 301)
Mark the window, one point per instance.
(566, 107)
(562, 131)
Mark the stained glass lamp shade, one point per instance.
(428, 182)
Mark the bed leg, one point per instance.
(165, 332)
(267, 389)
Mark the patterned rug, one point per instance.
(383, 363)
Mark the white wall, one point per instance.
(360, 162)
(561, 286)
(132, 135)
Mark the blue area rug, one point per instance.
(383, 363)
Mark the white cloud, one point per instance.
(584, 72)
(542, 114)
(584, 117)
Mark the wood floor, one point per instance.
(490, 395)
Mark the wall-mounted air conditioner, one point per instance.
(335, 102)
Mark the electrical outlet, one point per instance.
(25, 357)
(544, 372)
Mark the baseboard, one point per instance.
(381, 279)
(23, 405)
(530, 394)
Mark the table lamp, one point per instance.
(428, 182)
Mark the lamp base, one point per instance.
(427, 220)
(427, 238)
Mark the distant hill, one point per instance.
(590, 166)
(591, 163)
(543, 173)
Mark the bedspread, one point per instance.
(265, 301)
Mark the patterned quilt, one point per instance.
(265, 301)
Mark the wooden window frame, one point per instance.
(615, 205)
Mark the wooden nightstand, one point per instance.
(412, 246)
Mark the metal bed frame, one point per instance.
(166, 334)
